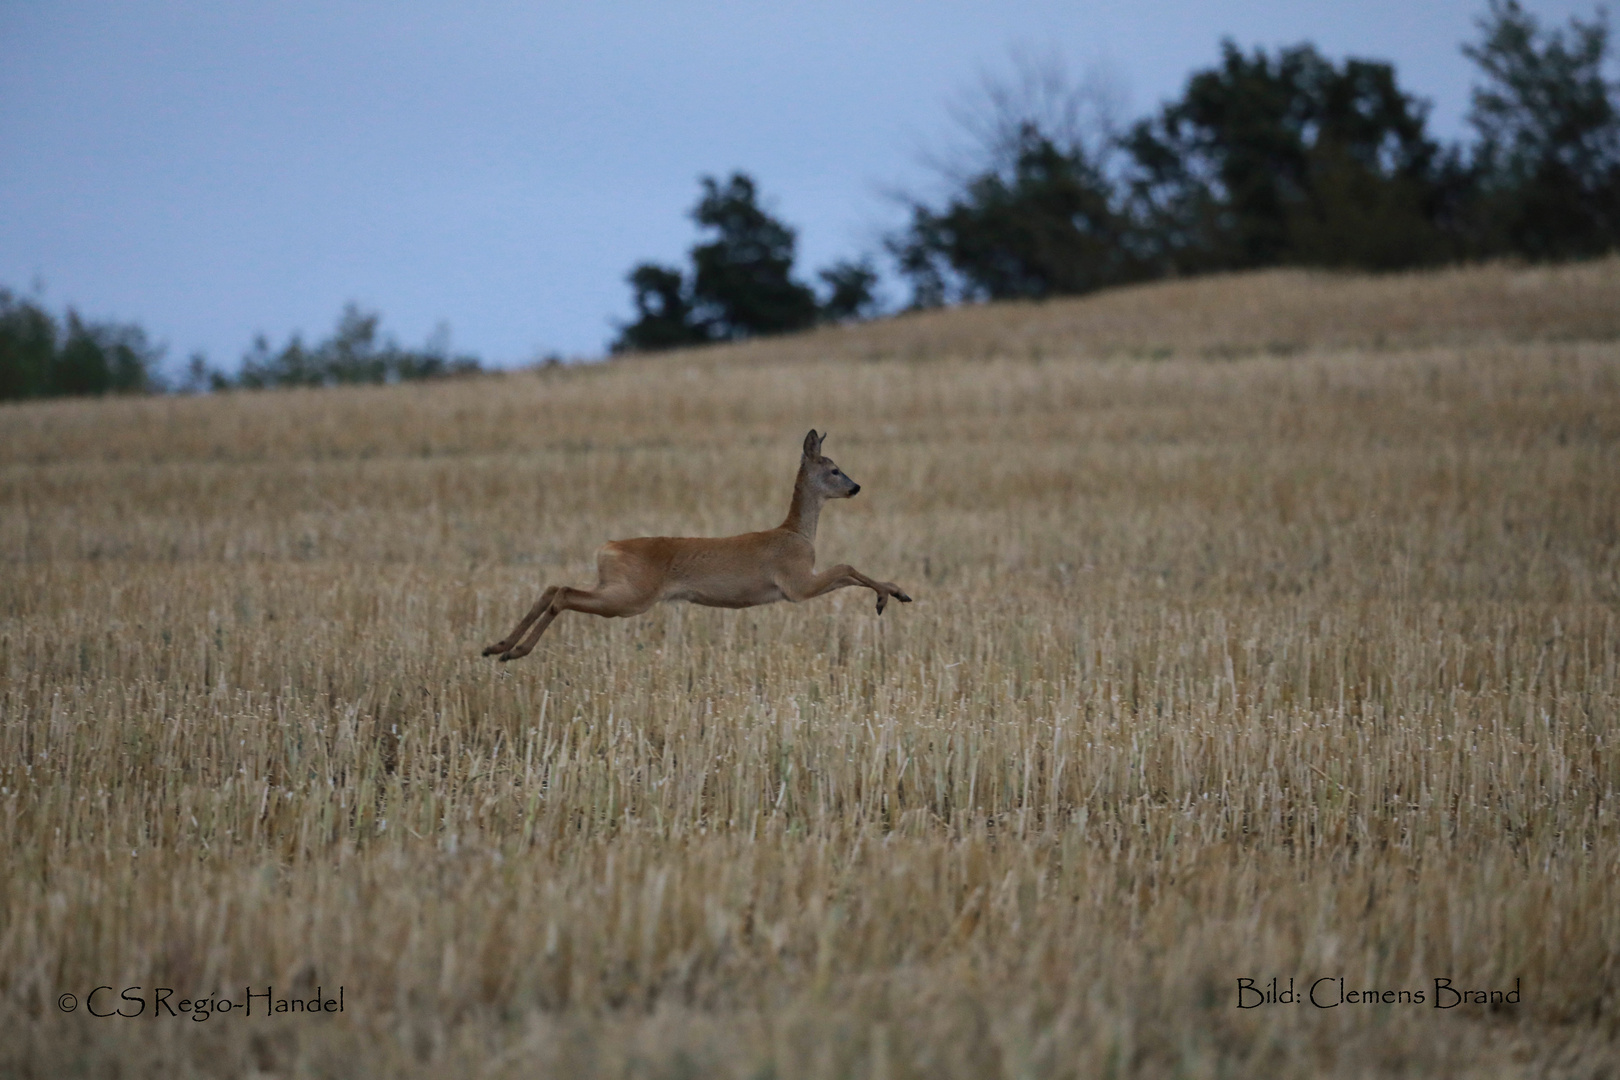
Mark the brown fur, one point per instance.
(732, 571)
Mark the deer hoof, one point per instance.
(902, 597)
(493, 649)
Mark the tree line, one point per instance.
(354, 353)
(45, 356)
(1264, 160)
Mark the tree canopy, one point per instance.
(1289, 158)
(1548, 158)
(741, 283)
(42, 356)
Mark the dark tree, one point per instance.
(1549, 126)
(27, 348)
(851, 291)
(663, 311)
(742, 281)
(41, 358)
(103, 358)
(741, 284)
(1045, 226)
(1031, 209)
(1288, 159)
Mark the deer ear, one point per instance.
(812, 443)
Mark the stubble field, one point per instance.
(1265, 626)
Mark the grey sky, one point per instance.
(216, 170)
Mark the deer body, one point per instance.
(730, 572)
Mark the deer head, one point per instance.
(824, 477)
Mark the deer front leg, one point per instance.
(539, 609)
(840, 577)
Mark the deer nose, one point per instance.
(856, 490)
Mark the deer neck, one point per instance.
(806, 509)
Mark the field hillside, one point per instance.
(1265, 627)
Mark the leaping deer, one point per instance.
(730, 571)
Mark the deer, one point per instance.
(719, 571)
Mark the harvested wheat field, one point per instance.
(1266, 627)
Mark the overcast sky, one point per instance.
(216, 170)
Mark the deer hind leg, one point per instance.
(539, 609)
(610, 599)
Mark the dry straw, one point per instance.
(1265, 626)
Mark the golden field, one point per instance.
(1265, 626)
